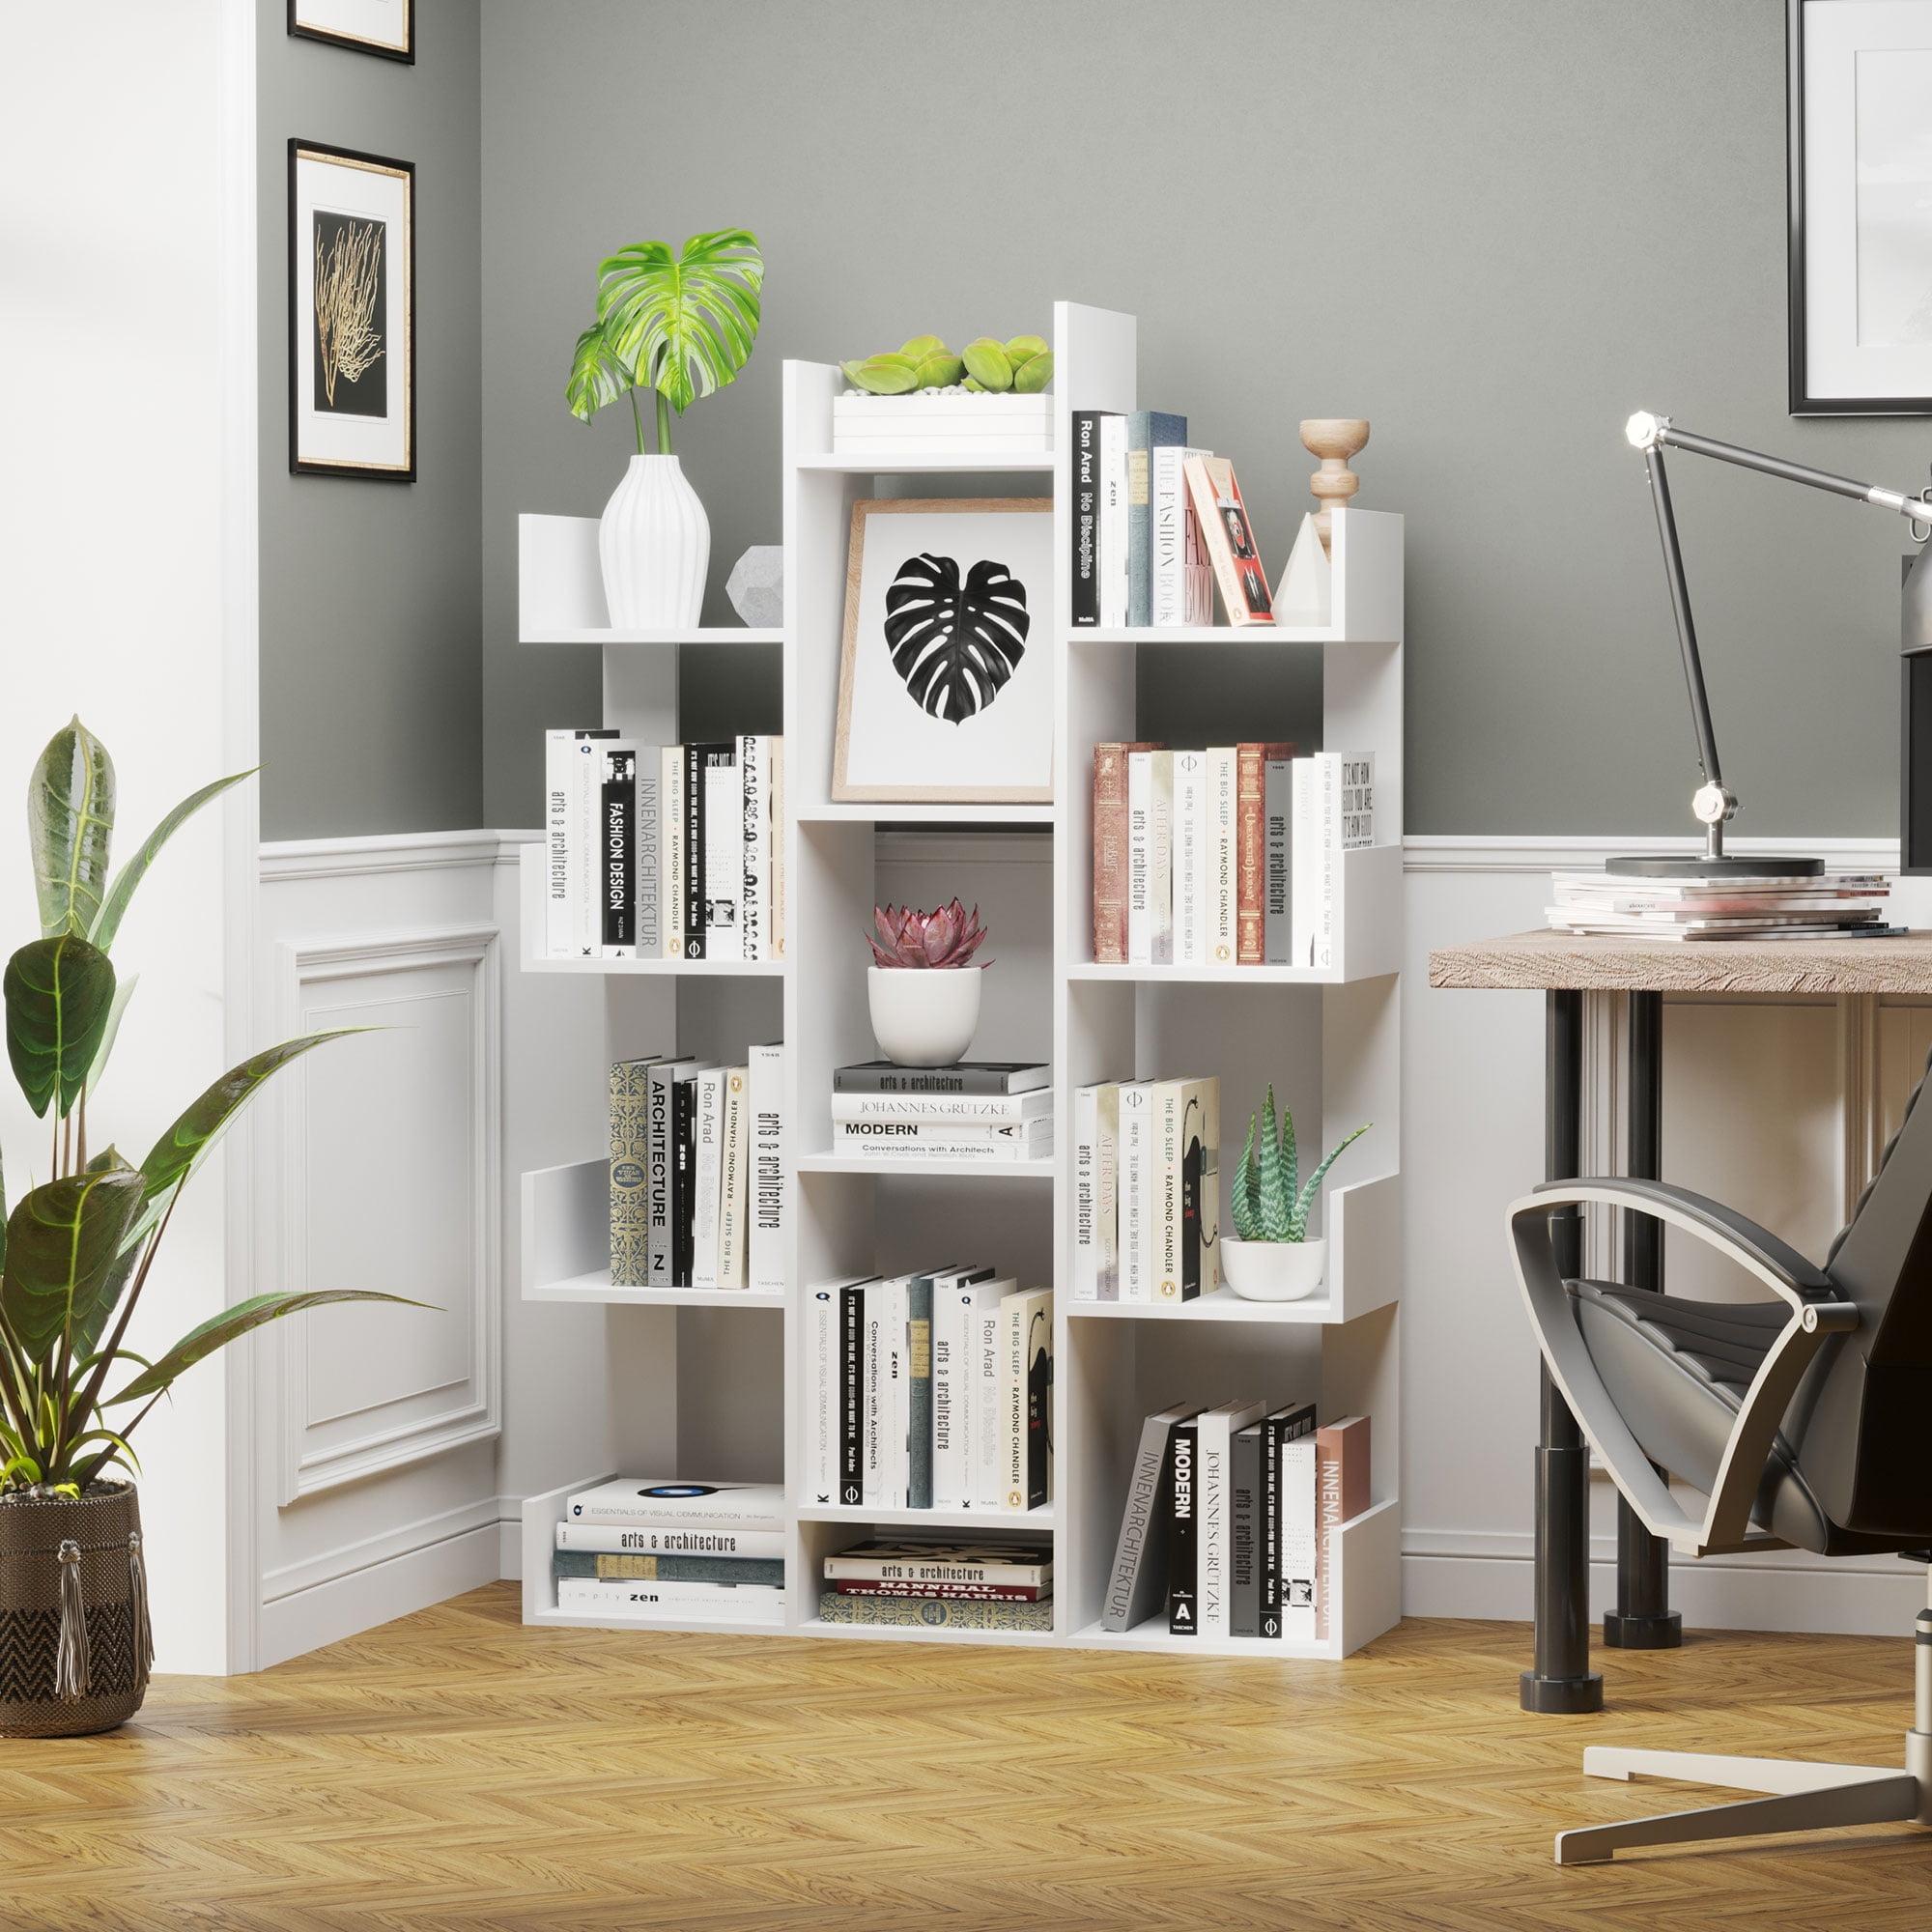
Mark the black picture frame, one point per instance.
(406, 53)
(298, 464)
(1802, 401)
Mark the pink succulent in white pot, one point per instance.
(923, 984)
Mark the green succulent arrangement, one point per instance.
(1271, 1202)
(76, 1250)
(1023, 366)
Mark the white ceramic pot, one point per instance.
(1273, 1270)
(655, 545)
(923, 1019)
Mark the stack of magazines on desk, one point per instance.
(1630, 905)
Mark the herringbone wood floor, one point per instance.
(456, 1770)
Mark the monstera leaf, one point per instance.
(684, 323)
(955, 645)
(597, 377)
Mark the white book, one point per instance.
(1357, 804)
(573, 771)
(708, 1133)
(1193, 909)
(1223, 885)
(1113, 520)
(775, 925)
(733, 1168)
(671, 849)
(1136, 1158)
(822, 1367)
(890, 1145)
(952, 1387)
(1162, 1177)
(560, 923)
(1316, 857)
(754, 890)
(699, 1602)
(1097, 1135)
(1140, 855)
(766, 1258)
(959, 1110)
(669, 1503)
(1213, 1519)
(1160, 858)
(1020, 1320)
(988, 1379)
(1170, 512)
(724, 854)
(895, 1460)
(631, 1539)
(1300, 1549)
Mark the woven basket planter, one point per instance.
(74, 1644)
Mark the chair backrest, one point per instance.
(1865, 1438)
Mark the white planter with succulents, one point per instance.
(923, 987)
(988, 400)
(680, 325)
(1269, 1257)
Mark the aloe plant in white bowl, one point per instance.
(1269, 1257)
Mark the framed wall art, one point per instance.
(385, 27)
(946, 674)
(352, 314)
(1860, 142)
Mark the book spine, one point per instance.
(1328, 783)
(1200, 1187)
(662, 1539)
(1147, 430)
(1085, 560)
(695, 803)
(1277, 856)
(1107, 1193)
(1142, 1524)
(896, 1398)
(1166, 1221)
(989, 1488)
(932, 1576)
(775, 927)
(1140, 858)
(966, 1110)
(709, 1602)
(755, 857)
(724, 851)
(1040, 1397)
(1298, 1538)
(945, 1593)
(1358, 803)
(768, 1170)
(767, 1574)
(934, 1612)
(948, 1492)
(649, 874)
(1013, 1313)
(821, 1391)
(1110, 855)
(1269, 1513)
(918, 1392)
(1211, 1517)
(852, 1394)
(671, 837)
(1160, 859)
(1112, 559)
(1222, 889)
(560, 928)
(616, 846)
(657, 1176)
(733, 1198)
(1193, 923)
(963, 1080)
(1166, 516)
(1250, 811)
(683, 1177)
(1183, 1548)
(630, 1170)
(1244, 1473)
(1341, 1492)
(1003, 1140)
(1085, 1194)
(1228, 540)
(706, 1173)
(1136, 1148)
(586, 844)
(876, 1398)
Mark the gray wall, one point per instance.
(1494, 228)
(371, 612)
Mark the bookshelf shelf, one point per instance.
(710, 1396)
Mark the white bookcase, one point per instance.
(712, 1379)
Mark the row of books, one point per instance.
(941, 1585)
(1158, 524)
(1223, 857)
(698, 1171)
(1147, 1190)
(929, 1391)
(1233, 1521)
(1828, 905)
(654, 1547)
(977, 1110)
(670, 851)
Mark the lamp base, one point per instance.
(1699, 866)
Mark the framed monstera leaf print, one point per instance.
(946, 678)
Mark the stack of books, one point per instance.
(985, 1110)
(697, 1172)
(941, 1585)
(636, 1548)
(1147, 1190)
(663, 851)
(929, 1391)
(1707, 907)
(1223, 857)
(1233, 1521)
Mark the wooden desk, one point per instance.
(1563, 968)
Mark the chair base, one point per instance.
(1801, 1796)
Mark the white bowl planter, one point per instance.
(923, 1019)
(1273, 1270)
(953, 420)
(654, 543)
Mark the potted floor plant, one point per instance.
(75, 1254)
(680, 325)
(1269, 1255)
(923, 986)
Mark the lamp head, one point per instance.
(1644, 429)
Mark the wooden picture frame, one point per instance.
(351, 249)
(384, 27)
(1859, 249)
(946, 664)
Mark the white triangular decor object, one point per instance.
(1306, 584)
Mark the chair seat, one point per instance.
(1677, 1372)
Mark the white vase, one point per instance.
(923, 1019)
(1273, 1270)
(655, 545)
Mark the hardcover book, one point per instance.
(1223, 788)
(1277, 854)
(1251, 762)
(1297, 1538)
(1136, 1156)
(990, 1410)
(1110, 850)
(756, 857)
(921, 1564)
(1183, 1554)
(630, 1169)
(955, 1366)
(1341, 1491)
(1166, 1203)
(852, 1390)
(1200, 1187)
(934, 1612)
(673, 835)
(1244, 1570)
(1097, 1129)
(967, 1110)
(698, 1602)
(634, 1499)
(1112, 559)
(1229, 541)
(1028, 1340)
(1193, 917)
(673, 1540)
(734, 1198)
(1214, 1510)
(918, 1392)
(1137, 1582)
(707, 1174)
(664, 1179)
(618, 878)
(1280, 1427)
(650, 854)
(1160, 858)
(1172, 539)
(1148, 430)
(696, 800)
(723, 852)
(969, 1077)
(614, 1567)
(766, 1258)
(1086, 557)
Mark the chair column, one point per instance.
(1644, 1619)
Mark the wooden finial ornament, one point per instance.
(1334, 439)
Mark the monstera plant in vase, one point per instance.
(1269, 1257)
(680, 325)
(922, 985)
(76, 1254)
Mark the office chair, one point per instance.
(1806, 1421)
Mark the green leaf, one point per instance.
(123, 991)
(59, 994)
(597, 377)
(64, 1259)
(1305, 1200)
(684, 323)
(1277, 1199)
(1246, 1199)
(21, 1465)
(120, 1451)
(135, 869)
(218, 1330)
(70, 822)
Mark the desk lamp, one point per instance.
(1713, 803)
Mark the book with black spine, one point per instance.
(723, 870)
(1284, 1425)
(683, 1175)
(1086, 563)
(661, 1169)
(1137, 1582)
(1183, 1550)
(695, 765)
(754, 890)
(968, 1077)
(618, 879)
(852, 1392)
(919, 1391)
